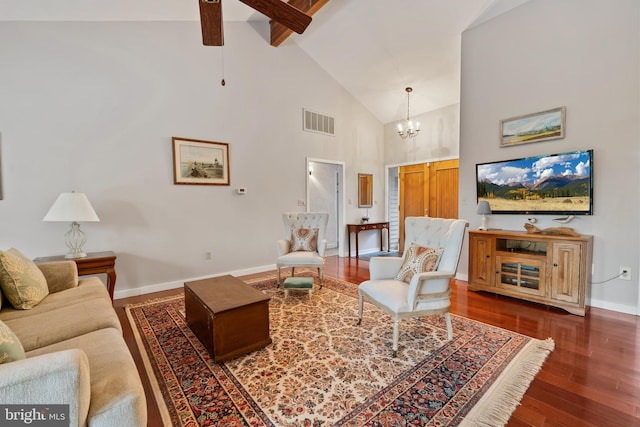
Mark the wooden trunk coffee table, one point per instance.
(229, 317)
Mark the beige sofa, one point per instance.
(75, 354)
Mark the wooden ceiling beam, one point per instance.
(279, 32)
(211, 23)
(285, 13)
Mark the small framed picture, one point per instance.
(197, 162)
(534, 127)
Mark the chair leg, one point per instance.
(360, 304)
(293, 271)
(278, 276)
(321, 276)
(396, 334)
(447, 318)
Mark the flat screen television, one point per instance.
(555, 184)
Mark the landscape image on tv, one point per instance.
(549, 184)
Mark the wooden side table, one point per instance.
(93, 263)
(357, 228)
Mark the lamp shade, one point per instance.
(71, 207)
(484, 208)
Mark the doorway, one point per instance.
(423, 189)
(325, 194)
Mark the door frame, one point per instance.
(341, 200)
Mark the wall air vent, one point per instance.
(316, 122)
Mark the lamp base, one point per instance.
(74, 240)
(73, 254)
(484, 225)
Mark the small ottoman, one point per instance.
(302, 282)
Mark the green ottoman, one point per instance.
(302, 282)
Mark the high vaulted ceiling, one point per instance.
(374, 48)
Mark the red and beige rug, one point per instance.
(324, 370)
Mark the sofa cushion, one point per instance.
(304, 239)
(87, 289)
(117, 396)
(60, 275)
(10, 347)
(63, 323)
(21, 280)
(418, 259)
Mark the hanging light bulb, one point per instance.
(409, 129)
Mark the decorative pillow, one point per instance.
(22, 282)
(304, 239)
(10, 347)
(418, 259)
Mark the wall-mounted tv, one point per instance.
(556, 184)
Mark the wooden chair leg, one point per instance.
(360, 304)
(447, 319)
(396, 335)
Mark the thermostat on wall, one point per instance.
(242, 190)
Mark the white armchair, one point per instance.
(427, 293)
(293, 257)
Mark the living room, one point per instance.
(92, 107)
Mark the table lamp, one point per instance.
(72, 207)
(484, 209)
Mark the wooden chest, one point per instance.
(229, 317)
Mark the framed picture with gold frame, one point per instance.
(197, 162)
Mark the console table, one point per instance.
(93, 263)
(357, 228)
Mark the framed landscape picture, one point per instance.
(534, 127)
(197, 162)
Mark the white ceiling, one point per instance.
(374, 48)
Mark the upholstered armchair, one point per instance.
(418, 283)
(305, 243)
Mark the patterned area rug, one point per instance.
(323, 370)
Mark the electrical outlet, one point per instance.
(208, 255)
(625, 273)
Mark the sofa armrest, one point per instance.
(381, 268)
(55, 378)
(60, 275)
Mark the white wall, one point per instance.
(580, 54)
(92, 107)
(439, 138)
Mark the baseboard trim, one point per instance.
(621, 308)
(125, 293)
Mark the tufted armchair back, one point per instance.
(437, 233)
(294, 220)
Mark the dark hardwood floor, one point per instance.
(592, 378)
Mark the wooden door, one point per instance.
(443, 189)
(414, 192)
(428, 189)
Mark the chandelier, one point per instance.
(409, 129)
